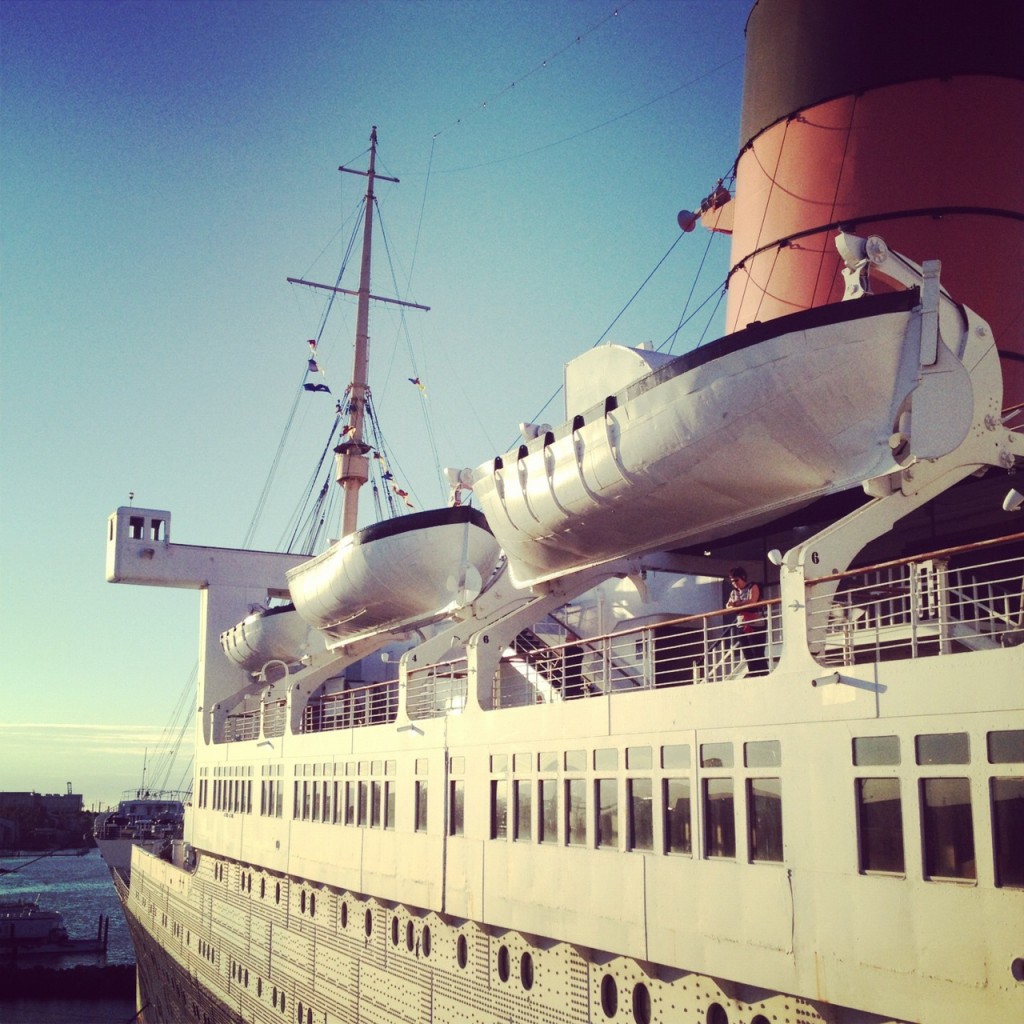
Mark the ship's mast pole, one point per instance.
(352, 465)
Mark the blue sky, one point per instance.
(165, 166)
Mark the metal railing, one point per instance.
(437, 690)
(352, 708)
(689, 650)
(958, 599)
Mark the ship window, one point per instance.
(136, 527)
(326, 803)
(298, 1013)
(880, 825)
(1006, 746)
(876, 750)
(362, 804)
(350, 803)
(312, 904)
(641, 1004)
(547, 824)
(421, 805)
(948, 829)
(526, 970)
(375, 804)
(368, 922)
(764, 816)
(1008, 831)
(461, 952)
(344, 914)
(677, 816)
(762, 754)
(576, 812)
(394, 930)
(675, 755)
(499, 763)
(609, 996)
(410, 936)
(522, 762)
(503, 963)
(422, 765)
(547, 762)
(943, 748)
(606, 759)
(499, 809)
(316, 801)
(575, 760)
(638, 758)
(426, 940)
(456, 808)
(716, 755)
(719, 817)
(389, 805)
(641, 822)
(607, 793)
(521, 796)
(458, 765)
(302, 902)
(335, 816)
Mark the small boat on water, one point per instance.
(26, 929)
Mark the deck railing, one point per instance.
(958, 599)
(692, 649)
(437, 690)
(352, 708)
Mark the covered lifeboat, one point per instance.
(398, 575)
(659, 451)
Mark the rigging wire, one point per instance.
(546, 62)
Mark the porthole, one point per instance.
(394, 930)
(426, 940)
(526, 971)
(642, 1004)
(503, 963)
(717, 1014)
(368, 922)
(344, 914)
(461, 952)
(609, 996)
(409, 936)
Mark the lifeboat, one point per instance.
(397, 575)
(728, 437)
(270, 634)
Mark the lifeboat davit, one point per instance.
(397, 575)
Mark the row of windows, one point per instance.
(945, 808)
(571, 798)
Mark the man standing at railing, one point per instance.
(749, 630)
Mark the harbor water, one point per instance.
(81, 889)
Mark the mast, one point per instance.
(352, 467)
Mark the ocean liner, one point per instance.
(566, 795)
